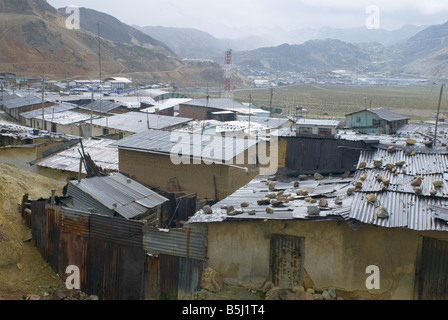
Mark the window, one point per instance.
(324, 132)
(358, 120)
(306, 130)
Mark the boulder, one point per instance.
(211, 280)
(207, 209)
(318, 176)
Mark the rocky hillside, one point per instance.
(317, 54)
(36, 41)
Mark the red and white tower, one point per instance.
(228, 75)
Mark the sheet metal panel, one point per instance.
(189, 242)
(54, 222)
(169, 276)
(75, 222)
(432, 275)
(190, 273)
(114, 193)
(311, 155)
(72, 252)
(186, 144)
(405, 210)
(116, 230)
(401, 182)
(420, 164)
(39, 227)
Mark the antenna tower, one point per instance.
(228, 75)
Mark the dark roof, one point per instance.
(387, 115)
(21, 102)
(383, 114)
(103, 106)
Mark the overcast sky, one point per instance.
(215, 16)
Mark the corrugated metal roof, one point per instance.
(101, 106)
(318, 122)
(187, 144)
(405, 211)
(137, 122)
(115, 193)
(274, 123)
(387, 115)
(329, 188)
(223, 104)
(60, 107)
(418, 164)
(100, 151)
(21, 102)
(401, 182)
(383, 114)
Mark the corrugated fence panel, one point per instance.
(169, 276)
(72, 252)
(432, 276)
(116, 230)
(76, 222)
(189, 242)
(190, 272)
(53, 216)
(39, 230)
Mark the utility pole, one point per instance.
(250, 112)
(438, 113)
(43, 106)
(272, 96)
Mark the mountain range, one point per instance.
(416, 51)
(36, 41)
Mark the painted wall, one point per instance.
(335, 256)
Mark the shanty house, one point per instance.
(116, 196)
(210, 166)
(14, 107)
(335, 233)
(211, 109)
(63, 164)
(375, 121)
(117, 83)
(128, 124)
(316, 128)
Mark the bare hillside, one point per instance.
(22, 270)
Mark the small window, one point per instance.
(324, 132)
(358, 120)
(376, 122)
(307, 130)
